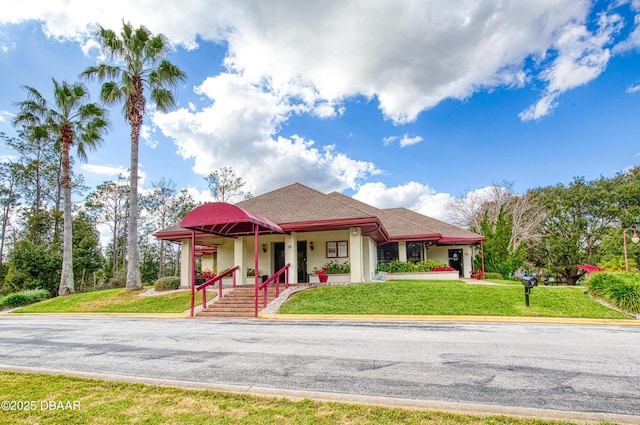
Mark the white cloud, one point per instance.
(104, 170)
(200, 196)
(413, 195)
(145, 133)
(6, 117)
(633, 89)
(5, 47)
(238, 130)
(405, 140)
(110, 172)
(408, 141)
(321, 53)
(389, 140)
(581, 57)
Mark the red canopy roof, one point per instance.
(224, 219)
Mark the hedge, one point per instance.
(167, 283)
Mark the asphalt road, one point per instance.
(548, 366)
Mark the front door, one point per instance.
(455, 260)
(278, 258)
(302, 261)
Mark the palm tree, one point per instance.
(140, 55)
(69, 120)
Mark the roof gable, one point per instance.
(448, 231)
(298, 203)
(395, 225)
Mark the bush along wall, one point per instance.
(408, 267)
(620, 289)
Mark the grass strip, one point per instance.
(447, 298)
(106, 402)
(116, 301)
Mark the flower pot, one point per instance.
(323, 278)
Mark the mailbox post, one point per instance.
(528, 282)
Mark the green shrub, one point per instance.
(19, 299)
(335, 267)
(408, 267)
(493, 275)
(428, 265)
(620, 289)
(400, 267)
(167, 283)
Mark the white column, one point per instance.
(185, 263)
(355, 255)
(291, 256)
(402, 251)
(240, 259)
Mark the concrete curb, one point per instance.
(358, 317)
(98, 314)
(489, 319)
(295, 395)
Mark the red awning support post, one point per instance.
(482, 252)
(193, 271)
(255, 265)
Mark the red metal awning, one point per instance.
(220, 218)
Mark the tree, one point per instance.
(576, 218)
(500, 256)
(158, 202)
(34, 261)
(87, 258)
(224, 184)
(110, 203)
(69, 120)
(8, 199)
(480, 210)
(36, 169)
(142, 66)
(165, 207)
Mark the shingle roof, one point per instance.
(298, 203)
(436, 226)
(396, 226)
(298, 207)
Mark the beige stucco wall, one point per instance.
(362, 254)
(441, 253)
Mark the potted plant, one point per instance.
(323, 275)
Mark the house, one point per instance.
(307, 229)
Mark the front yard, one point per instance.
(447, 298)
(116, 301)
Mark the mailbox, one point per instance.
(528, 282)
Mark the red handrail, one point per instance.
(264, 285)
(212, 281)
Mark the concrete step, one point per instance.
(239, 302)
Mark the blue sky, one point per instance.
(395, 103)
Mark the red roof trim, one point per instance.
(423, 237)
(460, 240)
(371, 226)
(178, 234)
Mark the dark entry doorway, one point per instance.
(279, 260)
(302, 261)
(455, 260)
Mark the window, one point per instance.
(388, 252)
(337, 249)
(415, 252)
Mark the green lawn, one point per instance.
(447, 298)
(93, 401)
(116, 301)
